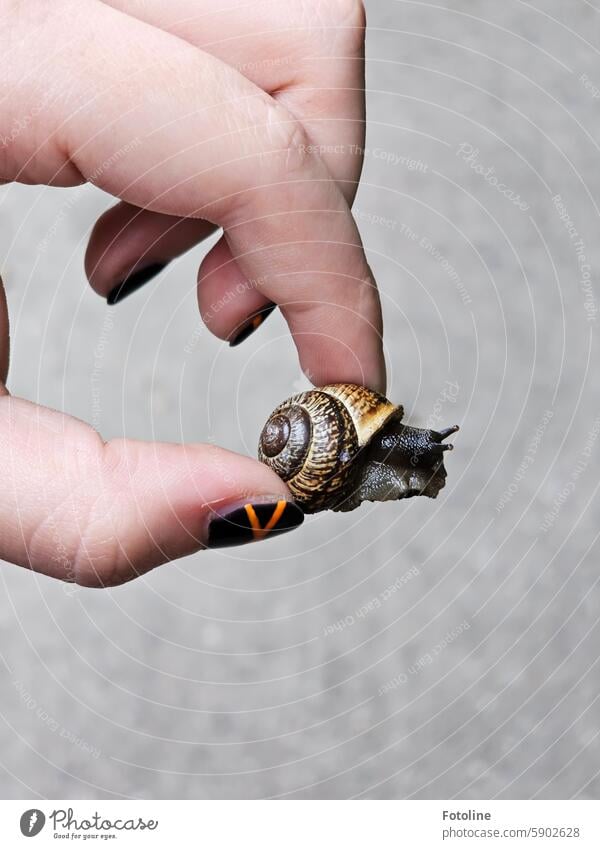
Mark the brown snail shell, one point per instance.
(342, 444)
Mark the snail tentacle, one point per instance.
(403, 461)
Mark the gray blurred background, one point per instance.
(466, 659)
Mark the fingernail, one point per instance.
(253, 324)
(254, 522)
(134, 282)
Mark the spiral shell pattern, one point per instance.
(312, 439)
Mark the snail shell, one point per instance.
(342, 444)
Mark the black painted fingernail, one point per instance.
(254, 323)
(254, 522)
(134, 282)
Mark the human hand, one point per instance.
(124, 97)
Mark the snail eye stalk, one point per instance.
(444, 434)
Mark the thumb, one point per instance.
(100, 514)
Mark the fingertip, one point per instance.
(336, 345)
(231, 306)
(174, 500)
(253, 521)
(129, 246)
(248, 327)
(134, 281)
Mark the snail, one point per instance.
(342, 444)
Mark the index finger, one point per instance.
(224, 150)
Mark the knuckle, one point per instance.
(97, 555)
(63, 537)
(288, 140)
(99, 559)
(96, 565)
(286, 155)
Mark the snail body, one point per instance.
(342, 444)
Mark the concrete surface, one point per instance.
(466, 661)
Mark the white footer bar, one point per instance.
(301, 824)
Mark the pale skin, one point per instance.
(243, 116)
